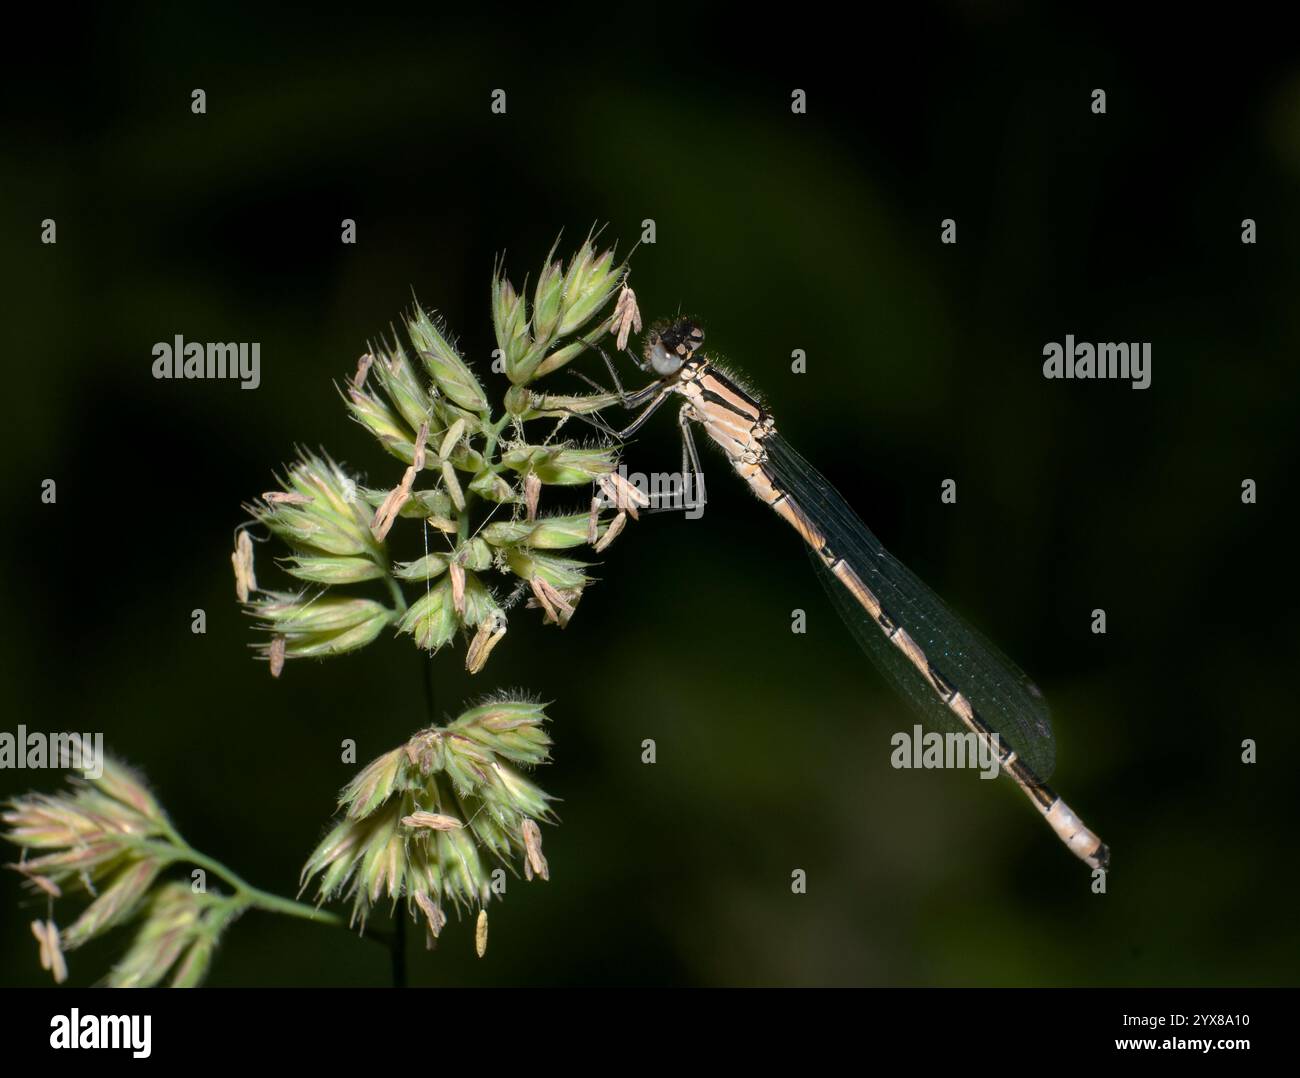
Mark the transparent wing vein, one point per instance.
(996, 687)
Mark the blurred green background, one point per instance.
(818, 232)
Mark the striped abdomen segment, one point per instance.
(1071, 830)
(763, 484)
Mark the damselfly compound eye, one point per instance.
(668, 347)
(660, 360)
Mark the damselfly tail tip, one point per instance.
(1086, 846)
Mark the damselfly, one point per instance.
(947, 671)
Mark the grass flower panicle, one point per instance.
(431, 820)
(474, 480)
(109, 839)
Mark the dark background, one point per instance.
(818, 232)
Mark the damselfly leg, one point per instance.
(690, 461)
(690, 457)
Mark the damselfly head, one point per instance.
(670, 344)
